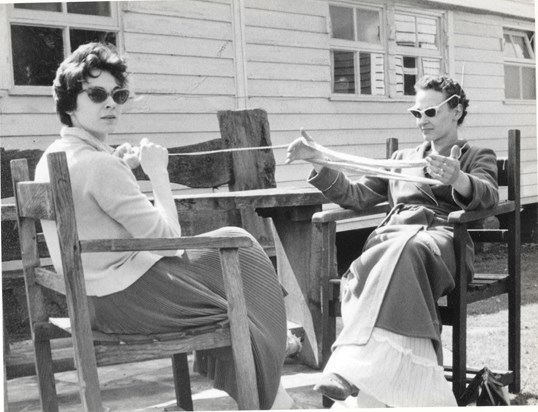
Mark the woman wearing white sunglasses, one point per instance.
(389, 352)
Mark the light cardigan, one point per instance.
(108, 204)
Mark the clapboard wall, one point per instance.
(191, 58)
(479, 57)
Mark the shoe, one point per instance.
(335, 387)
(293, 344)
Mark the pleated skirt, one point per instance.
(393, 370)
(188, 291)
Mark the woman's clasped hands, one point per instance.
(152, 157)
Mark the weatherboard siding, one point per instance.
(183, 59)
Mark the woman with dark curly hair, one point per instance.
(150, 292)
(389, 351)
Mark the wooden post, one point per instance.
(252, 169)
(514, 262)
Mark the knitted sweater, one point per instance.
(108, 204)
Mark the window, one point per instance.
(38, 48)
(519, 65)
(362, 56)
(357, 54)
(418, 50)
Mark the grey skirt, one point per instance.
(187, 291)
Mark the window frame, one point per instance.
(417, 52)
(356, 47)
(57, 20)
(519, 62)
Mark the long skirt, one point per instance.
(188, 291)
(390, 344)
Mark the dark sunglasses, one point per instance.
(99, 95)
(430, 111)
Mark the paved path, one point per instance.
(148, 386)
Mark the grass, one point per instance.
(487, 324)
(494, 260)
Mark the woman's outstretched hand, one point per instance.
(445, 169)
(300, 150)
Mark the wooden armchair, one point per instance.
(53, 201)
(214, 170)
(469, 288)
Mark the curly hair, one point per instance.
(447, 86)
(78, 67)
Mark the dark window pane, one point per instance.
(344, 72)
(410, 75)
(365, 64)
(92, 8)
(511, 82)
(37, 52)
(79, 37)
(40, 6)
(342, 22)
(528, 75)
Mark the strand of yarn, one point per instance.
(235, 149)
(366, 166)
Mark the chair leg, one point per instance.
(326, 401)
(182, 381)
(324, 264)
(514, 339)
(459, 355)
(45, 375)
(514, 299)
(243, 358)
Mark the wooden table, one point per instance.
(291, 210)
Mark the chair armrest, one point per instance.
(462, 216)
(335, 215)
(186, 242)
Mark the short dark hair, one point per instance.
(78, 67)
(447, 86)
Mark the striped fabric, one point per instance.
(179, 292)
(395, 370)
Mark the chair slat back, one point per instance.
(28, 244)
(514, 164)
(502, 171)
(34, 200)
